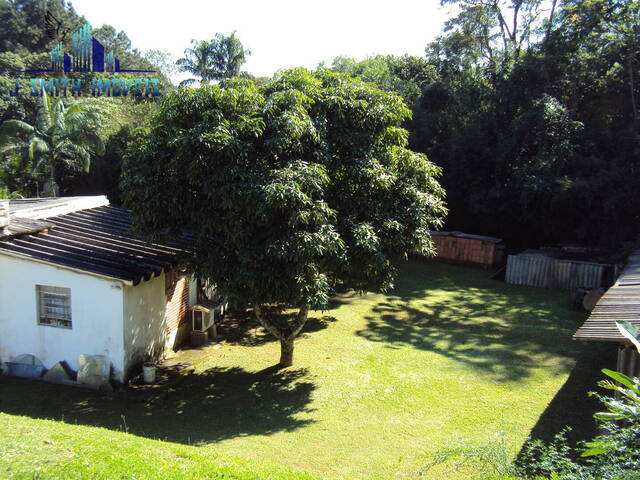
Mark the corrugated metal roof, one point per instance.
(620, 302)
(467, 235)
(98, 240)
(17, 204)
(38, 208)
(21, 226)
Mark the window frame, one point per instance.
(52, 319)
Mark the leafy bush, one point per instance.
(5, 193)
(614, 454)
(493, 459)
(559, 460)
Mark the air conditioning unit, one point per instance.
(202, 318)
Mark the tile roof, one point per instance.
(97, 240)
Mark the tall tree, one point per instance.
(162, 60)
(120, 45)
(197, 61)
(605, 27)
(24, 29)
(112, 40)
(505, 26)
(25, 41)
(213, 60)
(61, 137)
(406, 76)
(229, 55)
(290, 190)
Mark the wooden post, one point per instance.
(628, 360)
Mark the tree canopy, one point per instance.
(291, 189)
(530, 107)
(213, 60)
(531, 110)
(62, 137)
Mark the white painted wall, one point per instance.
(145, 308)
(144, 321)
(96, 313)
(193, 291)
(125, 323)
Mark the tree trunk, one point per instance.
(286, 352)
(551, 15)
(286, 336)
(50, 187)
(632, 88)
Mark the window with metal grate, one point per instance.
(54, 306)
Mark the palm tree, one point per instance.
(61, 136)
(212, 60)
(196, 61)
(228, 56)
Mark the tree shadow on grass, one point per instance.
(218, 404)
(242, 328)
(571, 406)
(500, 330)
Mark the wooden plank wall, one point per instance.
(468, 251)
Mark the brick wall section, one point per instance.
(177, 292)
(466, 251)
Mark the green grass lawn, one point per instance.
(45, 449)
(381, 384)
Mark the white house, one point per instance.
(74, 280)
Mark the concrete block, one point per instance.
(199, 338)
(59, 373)
(94, 370)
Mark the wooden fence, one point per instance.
(467, 249)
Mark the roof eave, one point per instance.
(125, 281)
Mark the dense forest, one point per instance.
(530, 107)
(533, 115)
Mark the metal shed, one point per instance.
(620, 302)
(464, 248)
(537, 269)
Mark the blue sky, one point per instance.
(281, 33)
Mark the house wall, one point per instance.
(128, 324)
(96, 314)
(177, 295)
(193, 291)
(179, 298)
(144, 321)
(155, 318)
